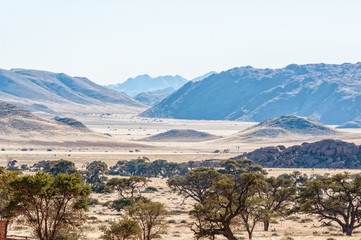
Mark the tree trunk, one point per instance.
(266, 225)
(349, 231)
(249, 235)
(228, 233)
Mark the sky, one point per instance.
(109, 41)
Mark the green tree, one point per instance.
(95, 175)
(297, 178)
(127, 187)
(48, 203)
(223, 203)
(157, 168)
(60, 166)
(238, 166)
(125, 229)
(6, 194)
(196, 183)
(150, 217)
(253, 213)
(334, 199)
(278, 195)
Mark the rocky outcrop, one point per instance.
(327, 153)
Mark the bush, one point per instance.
(124, 229)
(99, 188)
(151, 189)
(121, 203)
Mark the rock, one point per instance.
(322, 154)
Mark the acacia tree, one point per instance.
(252, 213)
(239, 166)
(126, 187)
(334, 199)
(150, 216)
(6, 194)
(278, 195)
(223, 202)
(195, 183)
(48, 203)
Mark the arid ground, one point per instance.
(131, 129)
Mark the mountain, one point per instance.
(329, 93)
(149, 99)
(180, 135)
(146, 83)
(200, 78)
(351, 124)
(51, 93)
(327, 153)
(20, 128)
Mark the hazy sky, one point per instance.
(111, 40)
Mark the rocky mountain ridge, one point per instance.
(329, 93)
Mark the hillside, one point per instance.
(322, 154)
(180, 135)
(285, 128)
(149, 99)
(51, 93)
(328, 93)
(146, 83)
(288, 125)
(20, 128)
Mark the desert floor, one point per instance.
(133, 129)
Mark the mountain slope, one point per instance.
(146, 83)
(20, 128)
(285, 127)
(200, 78)
(57, 92)
(328, 93)
(149, 99)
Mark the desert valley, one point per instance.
(180, 120)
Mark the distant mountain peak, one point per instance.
(146, 83)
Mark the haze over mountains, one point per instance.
(57, 93)
(146, 83)
(329, 93)
(162, 85)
